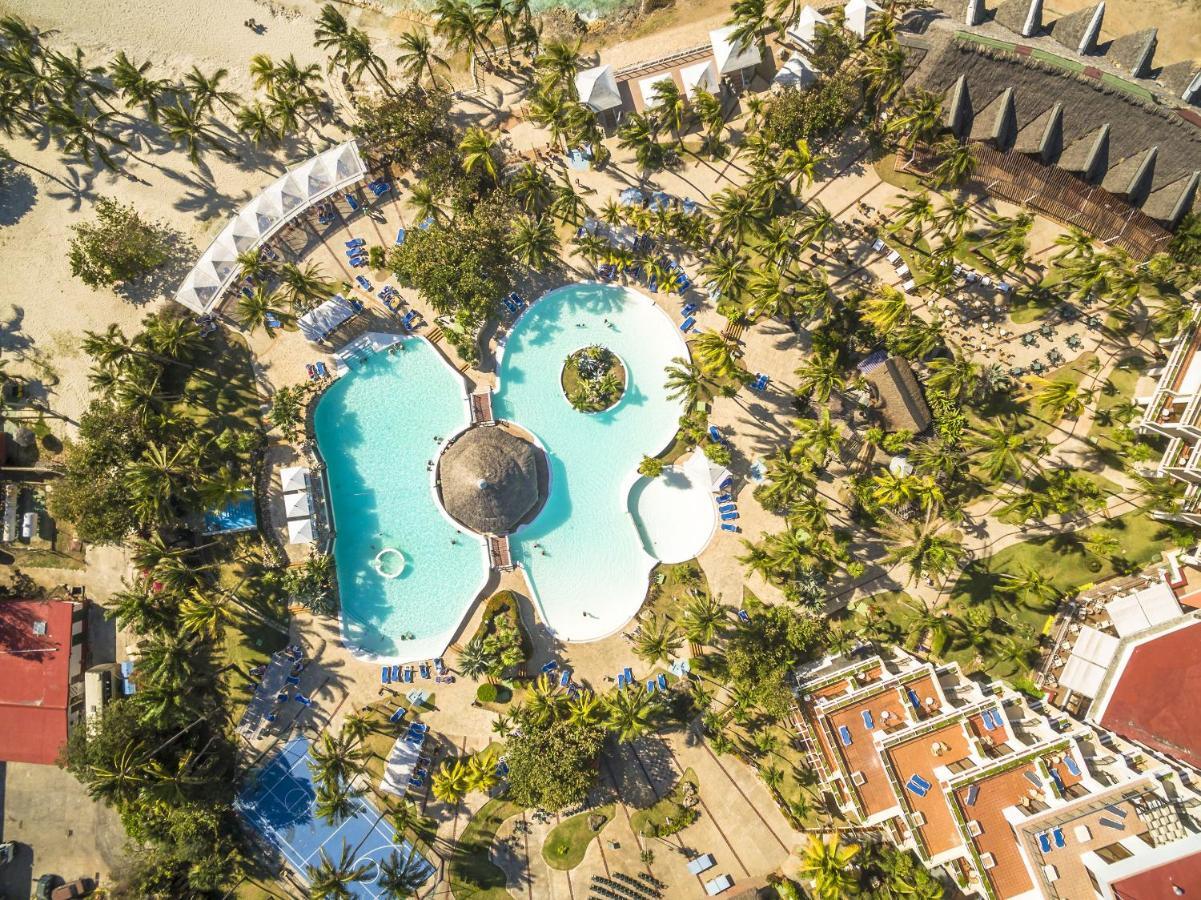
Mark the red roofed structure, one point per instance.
(1152, 695)
(1178, 878)
(41, 677)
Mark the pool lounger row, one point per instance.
(653, 683)
(394, 675)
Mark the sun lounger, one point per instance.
(356, 242)
(1116, 810)
(281, 697)
(909, 286)
(715, 435)
(650, 685)
(425, 670)
(425, 223)
(322, 371)
(303, 700)
(717, 885)
(894, 257)
(726, 526)
(921, 782)
(688, 309)
(662, 682)
(728, 507)
(502, 769)
(550, 666)
(629, 673)
(727, 484)
(1057, 833)
(565, 678)
(724, 498)
(972, 793)
(1044, 842)
(292, 680)
(687, 324)
(729, 517)
(400, 237)
(358, 261)
(1071, 766)
(398, 715)
(902, 270)
(1110, 823)
(409, 675)
(621, 680)
(844, 735)
(701, 864)
(396, 673)
(743, 615)
(867, 720)
(439, 666)
(877, 245)
(1033, 779)
(352, 202)
(385, 675)
(913, 699)
(915, 786)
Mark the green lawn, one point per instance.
(1119, 387)
(649, 822)
(568, 841)
(472, 873)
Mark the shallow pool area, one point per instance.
(675, 513)
(584, 555)
(404, 568)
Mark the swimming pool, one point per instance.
(376, 427)
(583, 555)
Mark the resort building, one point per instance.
(42, 655)
(896, 394)
(1173, 411)
(1005, 796)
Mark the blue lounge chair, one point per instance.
(687, 324)
(1110, 823)
(743, 615)
(662, 682)
(621, 680)
(1033, 779)
(352, 203)
(844, 735)
(293, 680)
(729, 517)
(358, 261)
(281, 697)
(398, 715)
(1044, 842)
(380, 188)
(726, 526)
(385, 675)
(972, 793)
(727, 484)
(1057, 833)
(322, 371)
(502, 769)
(355, 242)
(1071, 766)
(650, 686)
(727, 507)
(715, 435)
(425, 670)
(868, 723)
(912, 695)
(914, 785)
(550, 666)
(425, 223)
(396, 673)
(629, 673)
(400, 237)
(409, 675)
(1116, 810)
(724, 498)
(439, 666)
(565, 678)
(303, 700)
(688, 309)
(272, 320)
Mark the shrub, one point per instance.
(486, 693)
(119, 246)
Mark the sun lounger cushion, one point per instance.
(844, 734)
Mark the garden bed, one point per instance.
(565, 846)
(673, 813)
(593, 379)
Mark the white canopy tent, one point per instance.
(291, 193)
(317, 323)
(1091, 656)
(804, 29)
(597, 88)
(858, 14)
(646, 87)
(297, 505)
(300, 531)
(1143, 609)
(294, 478)
(400, 765)
(797, 72)
(702, 75)
(731, 57)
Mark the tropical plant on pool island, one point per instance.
(593, 379)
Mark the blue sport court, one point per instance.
(278, 804)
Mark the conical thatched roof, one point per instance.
(489, 479)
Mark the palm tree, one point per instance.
(816, 439)
(260, 309)
(337, 759)
(585, 709)
(546, 700)
(670, 106)
(336, 802)
(628, 713)
(451, 782)
(258, 124)
(1061, 398)
(827, 866)
(207, 613)
(819, 376)
(917, 211)
(481, 771)
(1073, 244)
(686, 381)
(958, 160)
(918, 121)
(557, 65)
(304, 287)
(1008, 237)
(703, 616)
(331, 879)
(886, 309)
(658, 639)
(351, 48)
(953, 219)
(474, 659)
(736, 215)
(462, 27)
(136, 86)
(529, 186)
(715, 356)
(183, 125)
(958, 377)
(533, 242)
(883, 73)
(418, 57)
(1030, 583)
(479, 152)
(205, 90)
(798, 163)
(160, 482)
(1007, 447)
(80, 133)
(403, 874)
(924, 546)
(425, 203)
(639, 134)
(815, 225)
(727, 270)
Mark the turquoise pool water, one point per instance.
(376, 427)
(583, 554)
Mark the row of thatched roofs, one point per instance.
(1142, 147)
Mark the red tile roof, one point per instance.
(1159, 883)
(34, 679)
(1154, 698)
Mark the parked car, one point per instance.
(46, 884)
(80, 887)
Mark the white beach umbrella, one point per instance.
(702, 75)
(804, 29)
(732, 56)
(297, 504)
(598, 88)
(646, 87)
(300, 531)
(293, 478)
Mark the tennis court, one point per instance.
(279, 803)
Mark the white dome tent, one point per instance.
(646, 87)
(702, 75)
(733, 58)
(291, 193)
(804, 29)
(597, 88)
(858, 15)
(797, 72)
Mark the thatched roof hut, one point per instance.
(491, 480)
(898, 395)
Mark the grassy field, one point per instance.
(659, 815)
(568, 841)
(472, 875)
(1119, 388)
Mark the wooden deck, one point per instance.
(498, 554)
